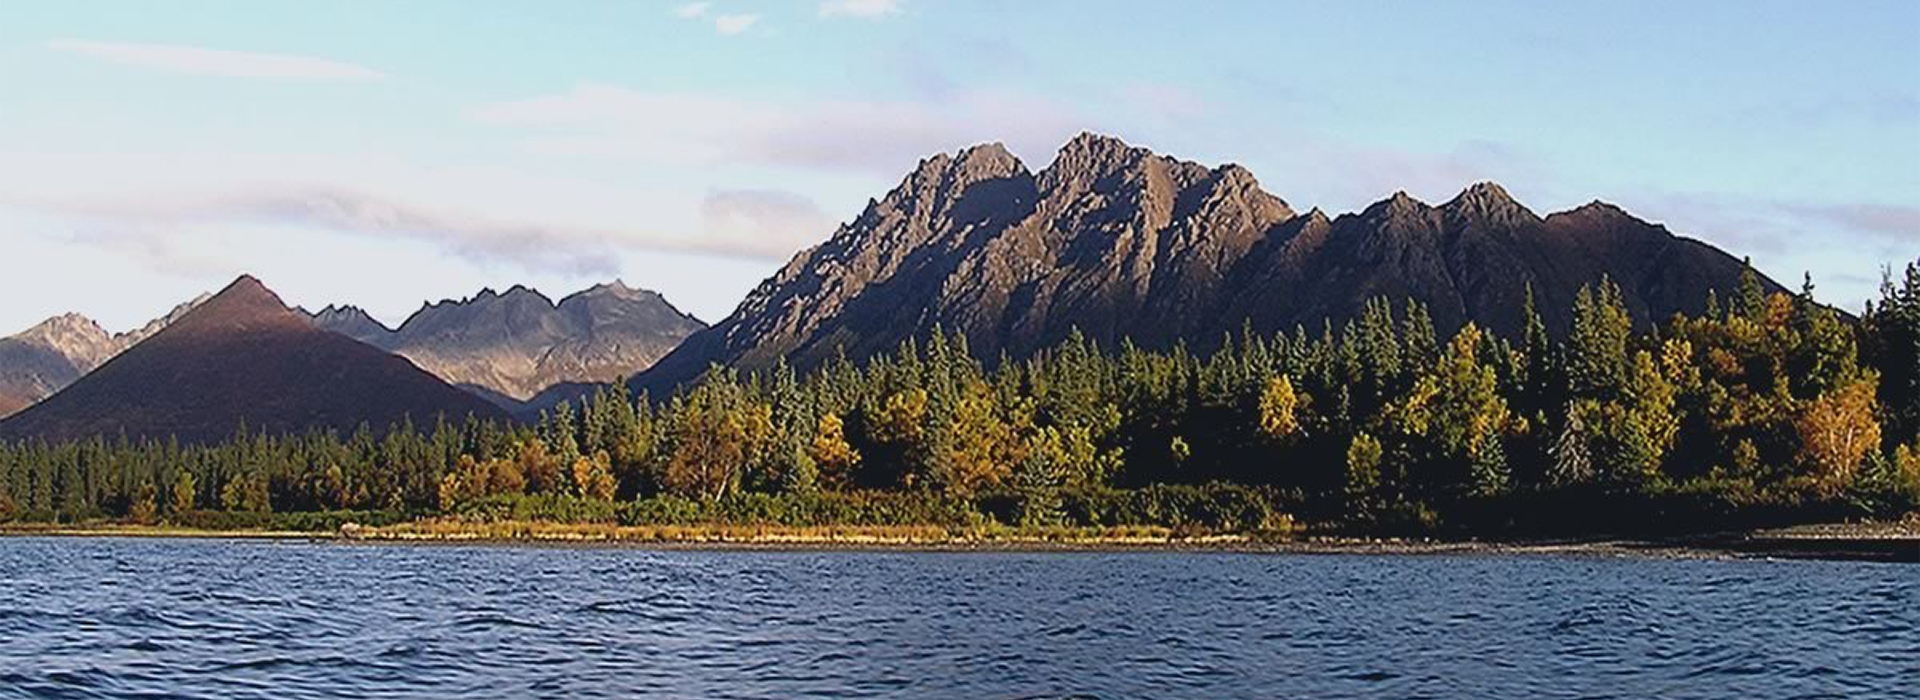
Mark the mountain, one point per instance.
(509, 347)
(352, 322)
(242, 358)
(1120, 242)
(47, 357)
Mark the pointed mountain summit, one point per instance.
(508, 347)
(242, 358)
(350, 321)
(1123, 243)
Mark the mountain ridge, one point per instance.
(242, 358)
(509, 346)
(1119, 242)
(45, 358)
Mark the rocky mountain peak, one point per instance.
(67, 325)
(1398, 206)
(1090, 158)
(246, 303)
(1117, 242)
(245, 294)
(1487, 202)
(242, 357)
(510, 346)
(351, 321)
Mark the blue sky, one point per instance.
(389, 153)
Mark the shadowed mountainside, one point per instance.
(243, 358)
(1122, 243)
(47, 357)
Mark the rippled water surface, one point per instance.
(226, 619)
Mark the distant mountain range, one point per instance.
(47, 357)
(1120, 242)
(509, 347)
(243, 358)
(506, 348)
(1110, 239)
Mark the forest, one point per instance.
(1764, 409)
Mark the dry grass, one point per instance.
(452, 530)
(990, 535)
(111, 529)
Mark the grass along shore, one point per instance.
(1897, 541)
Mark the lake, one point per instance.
(108, 618)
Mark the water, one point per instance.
(226, 619)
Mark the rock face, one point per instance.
(242, 357)
(1120, 242)
(509, 347)
(47, 357)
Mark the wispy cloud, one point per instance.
(880, 137)
(734, 24)
(1900, 223)
(194, 60)
(868, 9)
(692, 10)
(540, 222)
(763, 222)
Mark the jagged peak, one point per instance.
(1599, 207)
(67, 320)
(1235, 176)
(1089, 150)
(1485, 191)
(487, 294)
(976, 163)
(1090, 140)
(991, 152)
(1489, 201)
(64, 324)
(1397, 204)
(617, 289)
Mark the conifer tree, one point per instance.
(185, 492)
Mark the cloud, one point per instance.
(153, 228)
(533, 245)
(1842, 243)
(1898, 222)
(527, 218)
(692, 10)
(734, 24)
(763, 222)
(870, 136)
(867, 9)
(193, 60)
(1773, 225)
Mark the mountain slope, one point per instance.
(509, 347)
(47, 357)
(1120, 242)
(242, 357)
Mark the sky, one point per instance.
(387, 154)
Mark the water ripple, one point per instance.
(103, 618)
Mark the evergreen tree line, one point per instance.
(1762, 404)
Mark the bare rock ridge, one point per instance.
(1120, 242)
(47, 357)
(242, 358)
(510, 346)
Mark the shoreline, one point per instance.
(1825, 542)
